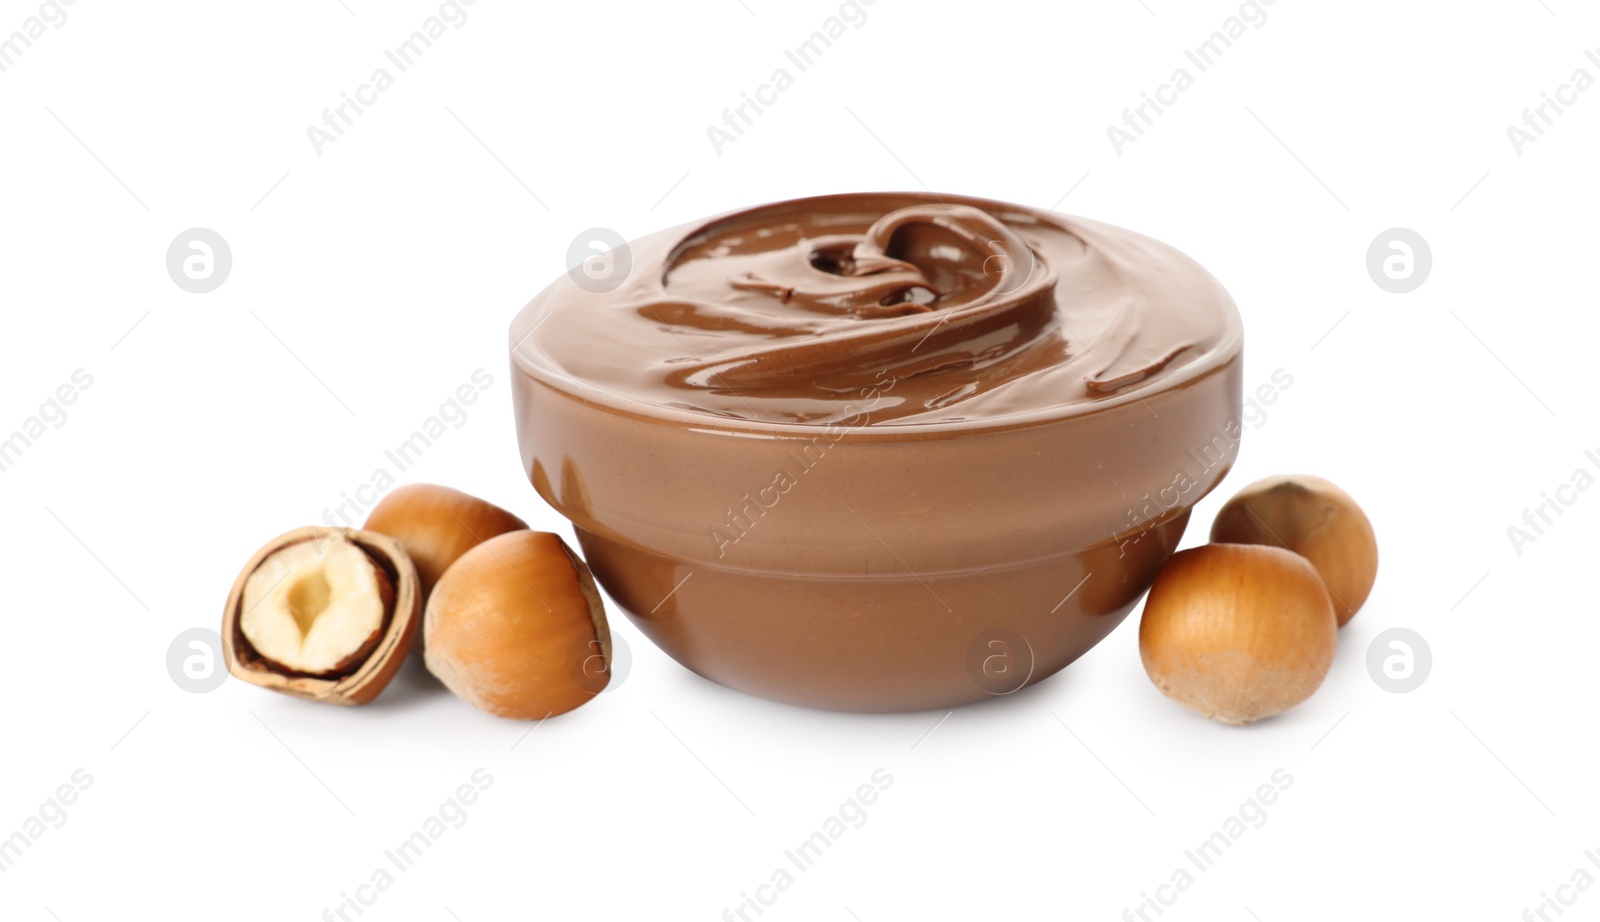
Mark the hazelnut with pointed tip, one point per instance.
(436, 525)
(1315, 519)
(515, 625)
(1238, 632)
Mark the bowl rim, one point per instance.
(618, 405)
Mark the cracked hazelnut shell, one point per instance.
(299, 579)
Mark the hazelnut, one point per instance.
(322, 613)
(436, 525)
(514, 625)
(1237, 632)
(1315, 519)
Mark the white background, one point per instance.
(369, 282)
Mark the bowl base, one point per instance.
(882, 644)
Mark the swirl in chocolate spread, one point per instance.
(978, 311)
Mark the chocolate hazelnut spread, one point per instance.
(980, 314)
(824, 450)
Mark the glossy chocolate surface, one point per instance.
(980, 314)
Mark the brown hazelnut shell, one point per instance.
(507, 622)
(1238, 632)
(1315, 519)
(437, 525)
